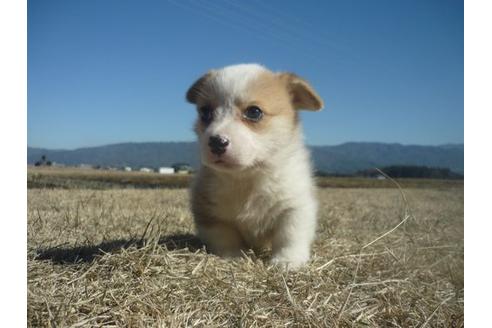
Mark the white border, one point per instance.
(13, 109)
(478, 107)
(13, 90)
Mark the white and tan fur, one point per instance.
(260, 192)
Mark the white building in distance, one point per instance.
(166, 170)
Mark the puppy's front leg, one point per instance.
(221, 239)
(292, 238)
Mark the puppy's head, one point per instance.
(246, 113)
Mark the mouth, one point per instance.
(226, 164)
(222, 163)
(227, 161)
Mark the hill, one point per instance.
(355, 156)
(346, 158)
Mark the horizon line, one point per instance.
(309, 145)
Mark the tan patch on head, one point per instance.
(271, 95)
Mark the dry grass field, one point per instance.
(127, 257)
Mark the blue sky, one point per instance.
(109, 71)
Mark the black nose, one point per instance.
(218, 144)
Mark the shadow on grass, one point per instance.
(81, 254)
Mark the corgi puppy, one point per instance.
(254, 188)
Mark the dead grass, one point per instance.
(127, 258)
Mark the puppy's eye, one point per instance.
(206, 114)
(253, 113)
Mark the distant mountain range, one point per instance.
(346, 158)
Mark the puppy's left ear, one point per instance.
(302, 94)
(197, 88)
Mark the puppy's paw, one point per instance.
(289, 263)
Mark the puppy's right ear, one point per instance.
(197, 88)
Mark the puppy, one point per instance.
(254, 188)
